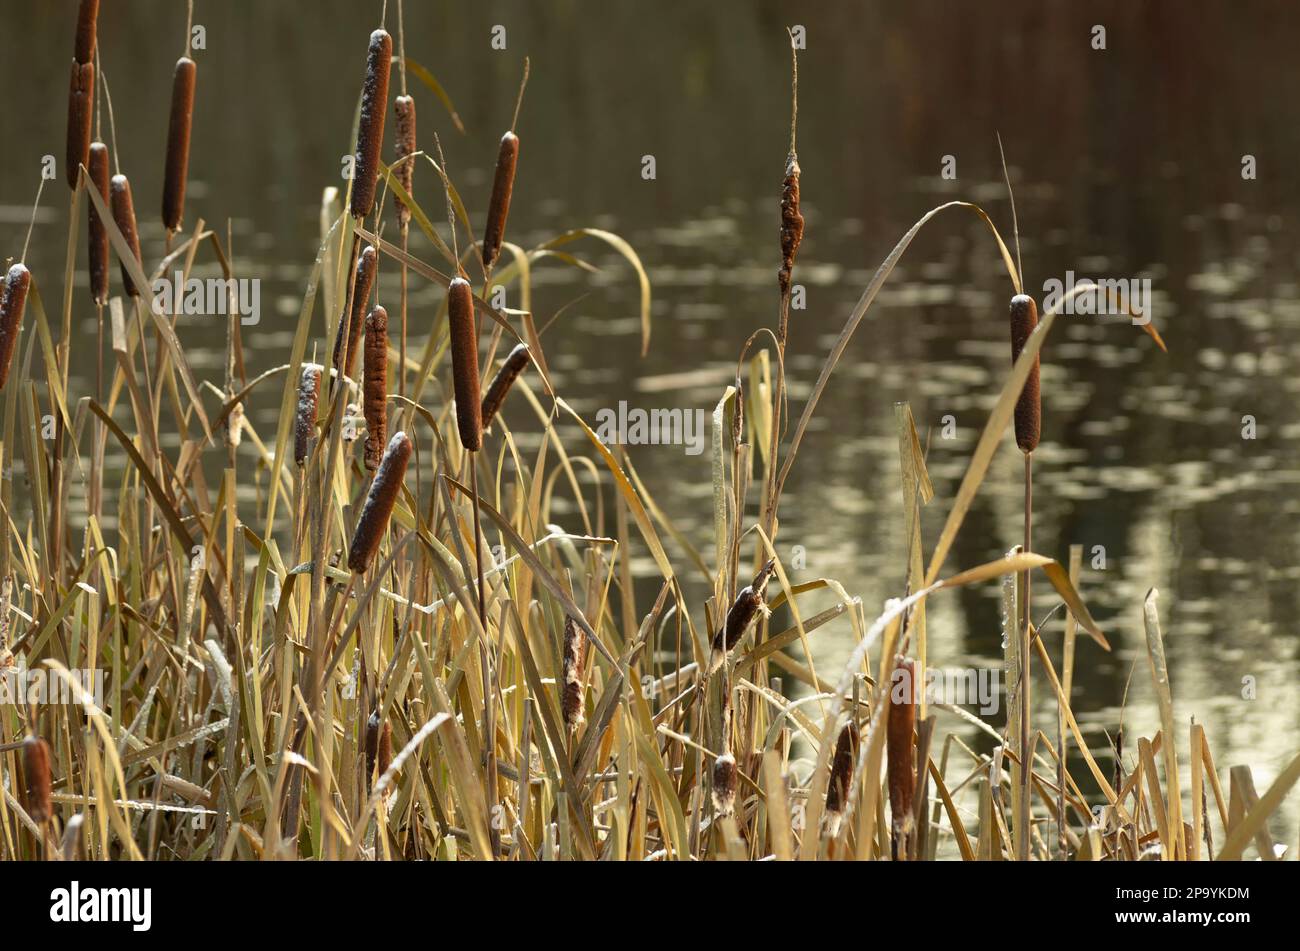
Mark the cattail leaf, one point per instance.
(1060, 579)
(1255, 818)
(426, 77)
(1164, 700)
(52, 375)
(626, 250)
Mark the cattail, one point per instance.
(503, 184)
(348, 339)
(81, 107)
(370, 131)
(98, 169)
(13, 301)
(374, 400)
(36, 769)
(464, 364)
(379, 747)
(124, 217)
(571, 701)
(837, 789)
(749, 603)
(379, 503)
(1029, 408)
(178, 143)
(791, 221)
(511, 367)
(87, 15)
(304, 423)
(898, 744)
(724, 785)
(404, 110)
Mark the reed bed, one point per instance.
(310, 657)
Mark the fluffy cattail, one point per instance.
(98, 236)
(379, 503)
(898, 744)
(837, 788)
(374, 399)
(404, 111)
(503, 184)
(87, 15)
(304, 422)
(464, 364)
(1029, 408)
(370, 131)
(571, 701)
(751, 601)
(13, 301)
(379, 747)
(81, 107)
(348, 339)
(36, 769)
(724, 785)
(791, 221)
(511, 367)
(124, 217)
(178, 143)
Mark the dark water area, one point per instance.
(1127, 162)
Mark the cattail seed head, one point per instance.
(1029, 408)
(837, 788)
(347, 341)
(81, 107)
(13, 301)
(404, 112)
(791, 221)
(374, 400)
(98, 236)
(87, 16)
(178, 143)
(36, 769)
(379, 747)
(124, 217)
(503, 184)
(380, 500)
(464, 364)
(571, 700)
(749, 603)
(511, 367)
(724, 785)
(898, 743)
(304, 423)
(370, 130)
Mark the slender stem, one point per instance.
(1026, 766)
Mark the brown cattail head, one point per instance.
(749, 603)
(374, 399)
(571, 699)
(724, 784)
(347, 342)
(370, 130)
(87, 15)
(36, 769)
(898, 743)
(98, 169)
(1029, 408)
(503, 184)
(511, 367)
(379, 747)
(13, 301)
(464, 364)
(178, 143)
(404, 111)
(124, 217)
(81, 107)
(304, 422)
(837, 788)
(791, 221)
(380, 500)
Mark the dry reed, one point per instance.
(178, 143)
(380, 500)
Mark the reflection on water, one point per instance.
(1127, 163)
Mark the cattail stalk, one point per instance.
(464, 364)
(374, 399)
(511, 367)
(380, 500)
(898, 748)
(97, 234)
(178, 144)
(36, 770)
(370, 130)
(13, 301)
(347, 341)
(304, 423)
(124, 217)
(749, 604)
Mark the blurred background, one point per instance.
(1126, 163)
